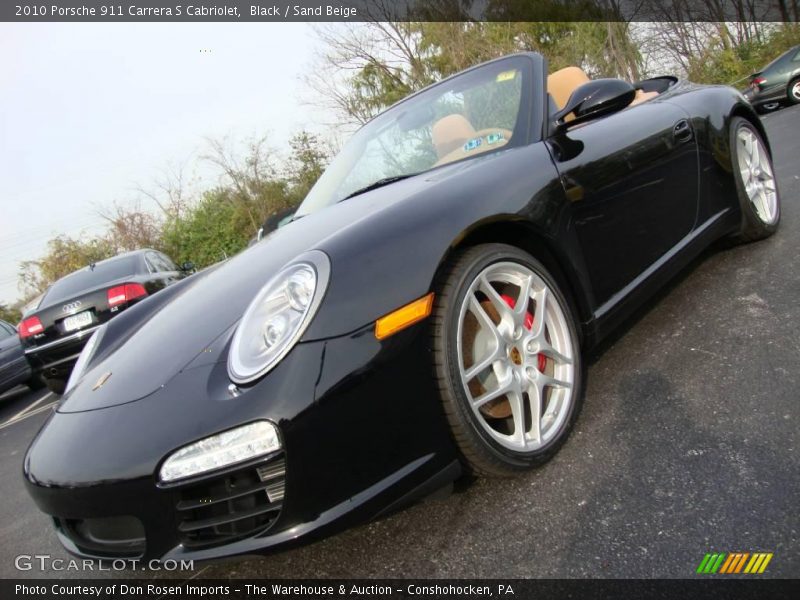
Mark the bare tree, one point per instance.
(170, 190)
(255, 184)
(130, 228)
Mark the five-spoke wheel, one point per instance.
(759, 200)
(756, 173)
(508, 358)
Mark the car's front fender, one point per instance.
(392, 257)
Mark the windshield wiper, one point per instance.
(377, 184)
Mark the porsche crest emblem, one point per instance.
(100, 382)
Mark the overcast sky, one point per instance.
(88, 111)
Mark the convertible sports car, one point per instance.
(424, 313)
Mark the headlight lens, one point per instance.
(277, 317)
(221, 450)
(83, 359)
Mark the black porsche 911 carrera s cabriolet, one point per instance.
(424, 313)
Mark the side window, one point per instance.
(796, 56)
(153, 263)
(5, 331)
(168, 264)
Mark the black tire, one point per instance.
(57, 386)
(752, 226)
(790, 91)
(480, 453)
(35, 382)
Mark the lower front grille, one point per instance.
(231, 506)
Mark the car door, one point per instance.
(13, 365)
(632, 180)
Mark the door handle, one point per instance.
(682, 131)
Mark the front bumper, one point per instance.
(361, 427)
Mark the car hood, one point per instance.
(195, 325)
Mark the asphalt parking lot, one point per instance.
(687, 444)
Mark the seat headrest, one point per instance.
(563, 82)
(450, 132)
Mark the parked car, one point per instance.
(425, 313)
(55, 332)
(14, 367)
(777, 83)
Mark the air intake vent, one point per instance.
(107, 537)
(232, 506)
(275, 474)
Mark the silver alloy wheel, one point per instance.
(515, 356)
(796, 91)
(757, 176)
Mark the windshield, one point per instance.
(469, 115)
(89, 278)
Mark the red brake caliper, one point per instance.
(542, 359)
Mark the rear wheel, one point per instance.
(507, 359)
(57, 386)
(756, 185)
(794, 91)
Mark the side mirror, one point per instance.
(276, 220)
(595, 99)
(187, 266)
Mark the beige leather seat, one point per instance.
(451, 132)
(563, 82)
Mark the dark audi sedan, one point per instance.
(424, 313)
(77, 304)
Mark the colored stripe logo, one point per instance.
(731, 563)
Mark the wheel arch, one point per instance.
(522, 234)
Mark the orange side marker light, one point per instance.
(403, 317)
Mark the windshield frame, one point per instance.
(528, 129)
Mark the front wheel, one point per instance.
(507, 359)
(756, 185)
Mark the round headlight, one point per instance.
(278, 316)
